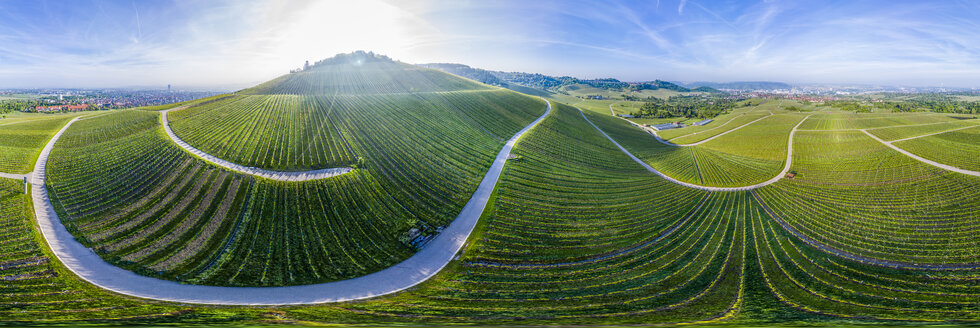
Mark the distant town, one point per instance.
(73, 100)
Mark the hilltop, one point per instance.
(561, 84)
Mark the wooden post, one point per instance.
(25, 186)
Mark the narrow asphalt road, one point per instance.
(15, 176)
(789, 161)
(920, 159)
(268, 174)
(654, 133)
(414, 270)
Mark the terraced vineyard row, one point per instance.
(697, 133)
(36, 289)
(854, 194)
(22, 140)
(750, 155)
(851, 158)
(349, 76)
(299, 133)
(127, 191)
(903, 132)
(582, 234)
(809, 279)
(959, 148)
(837, 121)
(286, 132)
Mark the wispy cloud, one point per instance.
(125, 42)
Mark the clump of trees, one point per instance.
(686, 106)
(933, 102)
(9, 106)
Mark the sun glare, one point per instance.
(341, 26)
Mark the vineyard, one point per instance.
(920, 214)
(303, 121)
(749, 155)
(21, 140)
(958, 148)
(838, 121)
(37, 289)
(577, 233)
(125, 190)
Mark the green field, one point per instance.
(22, 136)
(123, 188)
(579, 234)
(750, 155)
(576, 233)
(957, 148)
(837, 121)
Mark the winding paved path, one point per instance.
(414, 270)
(790, 228)
(920, 159)
(268, 174)
(654, 133)
(789, 161)
(15, 176)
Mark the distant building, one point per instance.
(703, 122)
(71, 108)
(666, 126)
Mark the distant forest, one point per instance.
(552, 83)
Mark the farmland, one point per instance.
(284, 126)
(749, 155)
(837, 121)
(575, 233)
(166, 214)
(22, 137)
(579, 233)
(957, 148)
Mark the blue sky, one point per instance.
(235, 43)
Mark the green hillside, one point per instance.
(126, 190)
(578, 234)
(333, 113)
(21, 139)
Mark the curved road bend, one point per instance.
(790, 228)
(268, 174)
(789, 161)
(654, 133)
(414, 270)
